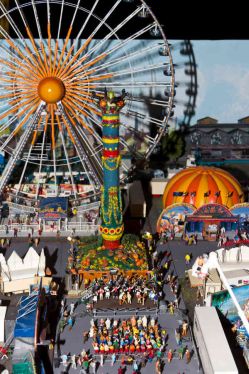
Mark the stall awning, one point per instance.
(26, 318)
(53, 208)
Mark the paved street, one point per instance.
(72, 342)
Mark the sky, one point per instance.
(222, 77)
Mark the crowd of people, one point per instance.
(127, 288)
(138, 340)
(127, 336)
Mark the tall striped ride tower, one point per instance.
(112, 226)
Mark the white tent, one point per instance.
(3, 310)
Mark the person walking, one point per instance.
(101, 359)
(184, 328)
(188, 356)
(135, 366)
(181, 352)
(70, 323)
(85, 366)
(120, 370)
(113, 359)
(62, 324)
(72, 306)
(73, 362)
(176, 302)
(64, 359)
(170, 356)
(178, 336)
(85, 336)
(187, 259)
(171, 308)
(93, 366)
(158, 367)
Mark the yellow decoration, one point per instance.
(51, 90)
(106, 161)
(110, 141)
(113, 207)
(111, 237)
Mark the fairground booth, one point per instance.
(52, 210)
(201, 200)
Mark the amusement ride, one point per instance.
(58, 60)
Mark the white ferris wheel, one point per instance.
(54, 55)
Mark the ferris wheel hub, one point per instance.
(51, 90)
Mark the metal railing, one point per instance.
(82, 227)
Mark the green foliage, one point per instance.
(90, 242)
(129, 239)
(173, 145)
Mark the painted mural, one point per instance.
(172, 218)
(222, 300)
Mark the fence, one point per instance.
(80, 228)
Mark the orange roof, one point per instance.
(195, 182)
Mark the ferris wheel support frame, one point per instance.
(20, 146)
(94, 178)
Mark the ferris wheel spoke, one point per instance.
(93, 177)
(115, 30)
(61, 129)
(147, 84)
(20, 36)
(101, 23)
(138, 133)
(15, 48)
(10, 21)
(14, 109)
(67, 38)
(127, 72)
(86, 21)
(149, 100)
(78, 104)
(66, 66)
(94, 153)
(144, 118)
(129, 56)
(15, 60)
(20, 146)
(28, 155)
(38, 26)
(113, 49)
(42, 153)
(7, 125)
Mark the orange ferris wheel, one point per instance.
(54, 55)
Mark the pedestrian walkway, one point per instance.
(73, 338)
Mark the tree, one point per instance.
(173, 145)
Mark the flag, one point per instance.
(217, 194)
(206, 194)
(177, 193)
